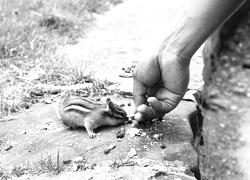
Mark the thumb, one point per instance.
(161, 107)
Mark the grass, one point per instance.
(48, 166)
(45, 165)
(31, 32)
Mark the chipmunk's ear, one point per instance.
(108, 100)
(110, 106)
(67, 94)
(65, 97)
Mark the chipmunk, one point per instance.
(82, 112)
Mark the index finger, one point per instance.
(139, 92)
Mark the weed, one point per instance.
(79, 72)
(1, 102)
(46, 165)
(119, 162)
(18, 171)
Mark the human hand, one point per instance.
(161, 82)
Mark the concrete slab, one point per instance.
(40, 133)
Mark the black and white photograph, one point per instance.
(124, 90)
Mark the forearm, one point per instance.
(199, 19)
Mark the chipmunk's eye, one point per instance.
(123, 114)
(120, 114)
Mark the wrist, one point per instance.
(182, 42)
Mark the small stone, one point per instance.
(75, 167)
(106, 93)
(67, 161)
(184, 120)
(163, 146)
(158, 136)
(133, 132)
(45, 128)
(78, 159)
(106, 151)
(23, 132)
(9, 148)
(121, 133)
(112, 146)
(47, 101)
(233, 107)
(92, 166)
(132, 153)
(222, 125)
(129, 103)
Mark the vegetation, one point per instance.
(45, 165)
(31, 32)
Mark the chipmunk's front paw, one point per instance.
(92, 134)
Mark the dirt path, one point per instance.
(129, 32)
